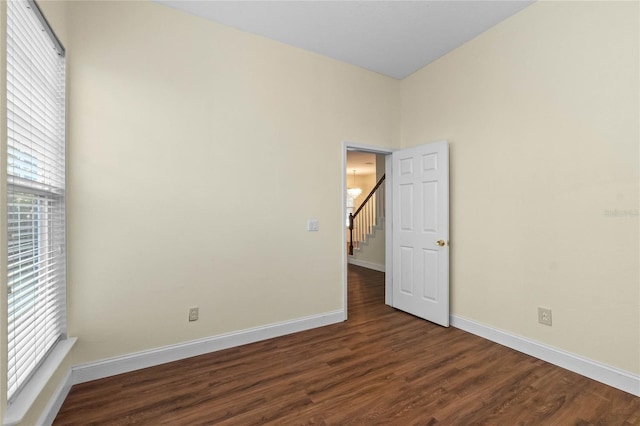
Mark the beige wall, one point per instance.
(380, 166)
(542, 116)
(169, 107)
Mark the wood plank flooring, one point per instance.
(381, 366)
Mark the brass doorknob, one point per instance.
(441, 243)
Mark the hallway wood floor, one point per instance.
(382, 366)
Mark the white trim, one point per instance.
(57, 399)
(126, 363)
(343, 250)
(388, 227)
(620, 379)
(27, 396)
(373, 149)
(365, 264)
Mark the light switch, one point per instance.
(313, 225)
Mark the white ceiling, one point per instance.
(394, 38)
(364, 163)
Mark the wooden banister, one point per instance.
(369, 196)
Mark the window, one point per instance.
(36, 263)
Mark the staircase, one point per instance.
(366, 229)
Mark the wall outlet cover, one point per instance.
(544, 316)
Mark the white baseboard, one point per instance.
(365, 264)
(135, 361)
(595, 370)
(123, 364)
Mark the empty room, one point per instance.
(175, 176)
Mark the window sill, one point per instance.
(18, 409)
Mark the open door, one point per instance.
(420, 234)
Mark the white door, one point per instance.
(420, 231)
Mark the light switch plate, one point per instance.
(313, 225)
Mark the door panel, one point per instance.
(430, 274)
(406, 270)
(420, 220)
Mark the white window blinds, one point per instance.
(36, 191)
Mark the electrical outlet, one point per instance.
(544, 316)
(193, 314)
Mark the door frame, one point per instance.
(388, 258)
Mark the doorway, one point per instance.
(416, 228)
(350, 180)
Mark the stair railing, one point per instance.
(361, 222)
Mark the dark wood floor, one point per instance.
(380, 367)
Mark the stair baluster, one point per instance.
(363, 221)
